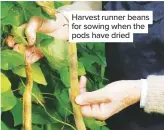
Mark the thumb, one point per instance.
(95, 97)
(33, 25)
(31, 35)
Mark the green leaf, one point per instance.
(105, 128)
(61, 3)
(39, 116)
(55, 50)
(41, 37)
(37, 74)
(3, 126)
(58, 4)
(8, 101)
(6, 6)
(19, 35)
(92, 123)
(64, 96)
(63, 103)
(90, 45)
(48, 8)
(5, 29)
(5, 83)
(30, 9)
(15, 16)
(36, 128)
(90, 85)
(15, 110)
(88, 64)
(58, 87)
(99, 47)
(11, 59)
(81, 69)
(65, 76)
(35, 90)
(59, 126)
(92, 58)
(66, 2)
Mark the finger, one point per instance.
(97, 112)
(82, 84)
(32, 27)
(55, 28)
(98, 96)
(10, 41)
(103, 107)
(33, 58)
(86, 110)
(33, 54)
(16, 48)
(94, 111)
(31, 35)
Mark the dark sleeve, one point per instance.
(151, 52)
(156, 31)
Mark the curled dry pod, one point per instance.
(55, 50)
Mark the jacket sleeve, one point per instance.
(155, 95)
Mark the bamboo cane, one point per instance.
(27, 104)
(74, 91)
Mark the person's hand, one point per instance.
(33, 53)
(103, 103)
(56, 28)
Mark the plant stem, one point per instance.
(55, 119)
(102, 72)
(27, 104)
(74, 91)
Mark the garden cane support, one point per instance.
(74, 91)
(27, 104)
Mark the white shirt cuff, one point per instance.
(144, 91)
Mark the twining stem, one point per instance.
(55, 119)
(27, 104)
(74, 91)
